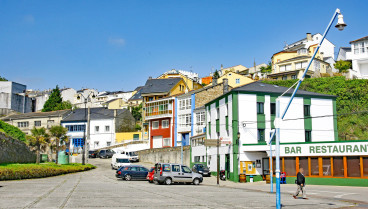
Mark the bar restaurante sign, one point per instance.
(325, 149)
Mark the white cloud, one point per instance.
(29, 19)
(117, 42)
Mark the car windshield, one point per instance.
(151, 169)
(201, 166)
(119, 160)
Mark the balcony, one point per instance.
(159, 109)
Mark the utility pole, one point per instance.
(88, 129)
(84, 134)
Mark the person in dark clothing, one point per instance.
(300, 181)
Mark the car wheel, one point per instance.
(128, 177)
(168, 181)
(196, 181)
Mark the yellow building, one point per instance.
(190, 79)
(128, 136)
(292, 61)
(115, 104)
(234, 79)
(234, 69)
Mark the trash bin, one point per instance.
(251, 179)
(268, 179)
(242, 178)
(63, 158)
(44, 158)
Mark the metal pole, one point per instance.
(278, 118)
(181, 150)
(218, 161)
(271, 161)
(277, 126)
(84, 134)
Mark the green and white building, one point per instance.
(308, 137)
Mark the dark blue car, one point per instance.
(132, 172)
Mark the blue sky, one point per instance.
(117, 45)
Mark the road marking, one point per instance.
(340, 196)
(70, 193)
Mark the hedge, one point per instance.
(29, 171)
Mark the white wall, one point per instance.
(253, 156)
(292, 130)
(248, 116)
(102, 137)
(323, 127)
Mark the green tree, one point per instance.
(216, 74)
(55, 102)
(267, 69)
(137, 112)
(3, 79)
(58, 133)
(39, 140)
(343, 66)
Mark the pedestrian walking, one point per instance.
(300, 181)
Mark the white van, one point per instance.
(133, 157)
(119, 160)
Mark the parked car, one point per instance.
(150, 175)
(119, 160)
(169, 173)
(133, 157)
(201, 169)
(106, 153)
(132, 172)
(92, 154)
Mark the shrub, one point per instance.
(12, 131)
(28, 171)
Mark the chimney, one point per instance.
(225, 84)
(309, 37)
(214, 81)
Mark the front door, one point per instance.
(185, 139)
(157, 141)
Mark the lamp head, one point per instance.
(93, 96)
(340, 23)
(78, 97)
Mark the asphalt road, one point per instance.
(100, 189)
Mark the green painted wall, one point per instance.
(235, 125)
(329, 181)
(255, 178)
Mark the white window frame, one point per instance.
(107, 128)
(200, 117)
(237, 81)
(166, 142)
(165, 124)
(155, 122)
(97, 129)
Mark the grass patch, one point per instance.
(29, 171)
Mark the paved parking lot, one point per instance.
(100, 189)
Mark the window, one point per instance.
(293, 77)
(185, 104)
(166, 168)
(285, 67)
(303, 163)
(78, 142)
(159, 108)
(261, 136)
(290, 166)
(175, 168)
(97, 129)
(96, 144)
(185, 169)
(273, 108)
(197, 158)
(167, 142)
(260, 108)
(37, 123)
(338, 166)
(316, 65)
(165, 124)
(150, 98)
(23, 124)
(155, 124)
(302, 51)
(365, 166)
(107, 128)
(306, 110)
(314, 166)
(108, 143)
(301, 65)
(360, 47)
(308, 136)
(185, 120)
(237, 81)
(218, 113)
(353, 167)
(75, 128)
(284, 77)
(326, 166)
(200, 118)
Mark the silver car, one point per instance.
(169, 173)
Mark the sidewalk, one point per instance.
(344, 193)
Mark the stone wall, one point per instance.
(14, 151)
(209, 94)
(165, 155)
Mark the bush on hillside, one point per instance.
(12, 131)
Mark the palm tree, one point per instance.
(59, 133)
(38, 139)
(267, 69)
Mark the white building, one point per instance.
(359, 58)
(104, 123)
(249, 111)
(13, 97)
(79, 99)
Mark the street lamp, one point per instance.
(340, 25)
(92, 95)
